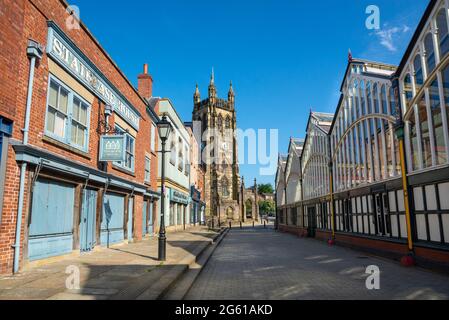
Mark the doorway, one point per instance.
(382, 215)
(88, 221)
(311, 214)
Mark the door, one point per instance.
(151, 220)
(112, 226)
(312, 222)
(51, 220)
(130, 218)
(383, 226)
(87, 223)
(144, 219)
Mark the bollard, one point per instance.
(241, 225)
(230, 225)
(264, 224)
(254, 224)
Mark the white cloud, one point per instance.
(389, 36)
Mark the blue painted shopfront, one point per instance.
(151, 221)
(112, 230)
(144, 219)
(130, 218)
(51, 226)
(88, 221)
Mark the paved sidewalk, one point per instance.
(258, 264)
(121, 272)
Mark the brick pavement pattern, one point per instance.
(260, 264)
(125, 272)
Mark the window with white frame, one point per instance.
(147, 169)
(153, 137)
(180, 155)
(67, 118)
(443, 33)
(128, 164)
(187, 162)
(172, 151)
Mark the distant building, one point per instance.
(177, 169)
(197, 176)
(222, 184)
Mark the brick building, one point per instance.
(60, 92)
(197, 176)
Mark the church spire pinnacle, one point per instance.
(197, 96)
(212, 89)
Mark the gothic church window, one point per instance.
(225, 187)
(228, 122)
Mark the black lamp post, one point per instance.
(164, 128)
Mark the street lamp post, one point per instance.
(164, 128)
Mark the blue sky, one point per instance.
(283, 56)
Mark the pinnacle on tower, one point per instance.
(231, 90)
(212, 89)
(197, 95)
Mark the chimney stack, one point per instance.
(145, 83)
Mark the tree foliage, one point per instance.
(266, 188)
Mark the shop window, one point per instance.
(445, 76)
(408, 90)
(430, 53)
(419, 77)
(393, 105)
(128, 164)
(443, 33)
(413, 141)
(147, 169)
(425, 132)
(67, 117)
(435, 109)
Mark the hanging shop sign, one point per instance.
(68, 56)
(179, 197)
(112, 148)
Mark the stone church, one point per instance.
(224, 199)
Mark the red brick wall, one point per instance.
(21, 20)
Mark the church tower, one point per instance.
(219, 149)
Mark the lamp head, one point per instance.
(164, 128)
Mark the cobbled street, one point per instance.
(261, 264)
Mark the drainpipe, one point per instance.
(34, 52)
(331, 241)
